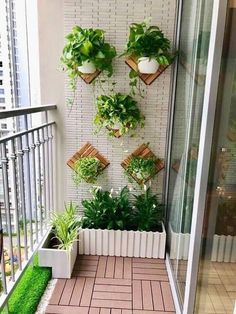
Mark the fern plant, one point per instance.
(87, 169)
(65, 226)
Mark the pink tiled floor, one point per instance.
(114, 285)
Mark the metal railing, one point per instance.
(26, 192)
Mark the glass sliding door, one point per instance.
(217, 270)
(188, 102)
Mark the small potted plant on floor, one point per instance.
(85, 52)
(141, 168)
(87, 169)
(113, 225)
(59, 250)
(118, 113)
(149, 47)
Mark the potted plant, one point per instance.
(141, 168)
(118, 113)
(87, 169)
(149, 47)
(59, 250)
(85, 52)
(113, 225)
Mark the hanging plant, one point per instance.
(118, 113)
(141, 169)
(149, 47)
(86, 52)
(87, 169)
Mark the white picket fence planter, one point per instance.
(122, 243)
(223, 249)
(61, 261)
(179, 244)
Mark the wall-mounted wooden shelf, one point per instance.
(116, 132)
(143, 151)
(88, 78)
(87, 150)
(148, 79)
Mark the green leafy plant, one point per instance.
(106, 211)
(148, 41)
(141, 168)
(65, 226)
(87, 169)
(84, 44)
(118, 111)
(148, 213)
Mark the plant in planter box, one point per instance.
(85, 52)
(118, 113)
(149, 46)
(87, 169)
(148, 213)
(60, 246)
(105, 211)
(141, 168)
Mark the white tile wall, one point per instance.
(114, 16)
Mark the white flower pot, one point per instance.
(122, 243)
(61, 261)
(147, 66)
(87, 67)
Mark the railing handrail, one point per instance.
(24, 111)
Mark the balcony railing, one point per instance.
(26, 191)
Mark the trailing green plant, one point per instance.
(87, 169)
(65, 226)
(141, 168)
(29, 290)
(84, 44)
(118, 111)
(149, 211)
(147, 41)
(105, 211)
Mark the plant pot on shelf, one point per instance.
(61, 261)
(123, 243)
(147, 65)
(87, 67)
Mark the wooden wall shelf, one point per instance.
(87, 150)
(143, 151)
(88, 78)
(148, 79)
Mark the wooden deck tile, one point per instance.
(150, 277)
(127, 268)
(63, 309)
(94, 310)
(105, 311)
(137, 295)
(115, 311)
(147, 295)
(119, 267)
(87, 292)
(112, 288)
(58, 290)
(77, 292)
(157, 296)
(110, 267)
(67, 292)
(102, 266)
(112, 296)
(117, 282)
(167, 296)
(112, 304)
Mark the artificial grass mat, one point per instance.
(28, 292)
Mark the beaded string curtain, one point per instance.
(114, 16)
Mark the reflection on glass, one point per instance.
(217, 272)
(194, 42)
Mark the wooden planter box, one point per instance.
(61, 261)
(122, 243)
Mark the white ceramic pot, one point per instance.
(147, 66)
(87, 67)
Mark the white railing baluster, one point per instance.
(34, 185)
(39, 181)
(51, 166)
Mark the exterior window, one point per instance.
(1, 91)
(0, 64)
(4, 126)
(2, 100)
(0, 82)
(1, 73)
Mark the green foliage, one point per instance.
(28, 292)
(86, 44)
(148, 41)
(106, 211)
(118, 109)
(87, 169)
(148, 211)
(65, 226)
(141, 168)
